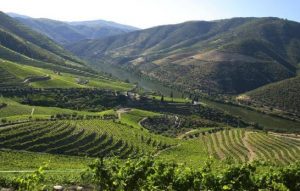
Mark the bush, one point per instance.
(150, 174)
(32, 182)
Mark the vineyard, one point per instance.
(243, 145)
(104, 138)
(94, 138)
(70, 146)
(14, 74)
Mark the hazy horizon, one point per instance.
(150, 13)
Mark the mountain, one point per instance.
(14, 15)
(70, 32)
(22, 45)
(225, 56)
(283, 95)
(103, 23)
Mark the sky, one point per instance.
(149, 13)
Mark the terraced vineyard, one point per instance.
(14, 74)
(95, 138)
(243, 145)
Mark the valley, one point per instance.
(97, 105)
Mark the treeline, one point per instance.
(99, 100)
(187, 109)
(172, 125)
(72, 98)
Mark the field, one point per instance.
(126, 138)
(95, 138)
(68, 146)
(134, 116)
(22, 161)
(63, 80)
(243, 145)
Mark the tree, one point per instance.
(3, 120)
(162, 98)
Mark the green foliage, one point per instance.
(99, 175)
(33, 182)
(149, 174)
(37, 46)
(173, 126)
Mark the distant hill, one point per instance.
(22, 45)
(284, 95)
(70, 32)
(225, 56)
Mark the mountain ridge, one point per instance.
(181, 52)
(64, 32)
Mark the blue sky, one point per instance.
(148, 13)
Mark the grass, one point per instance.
(64, 80)
(191, 152)
(108, 112)
(17, 161)
(133, 117)
(61, 168)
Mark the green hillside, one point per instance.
(93, 138)
(283, 95)
(22, 45)
(13, 28)
(98, 133)
(98, 137)
(17, 73)
(225, 56)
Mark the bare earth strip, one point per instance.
(141, 121)
(289, 136)
(166, 149)
(122, 110)
(251, 153)
(186, 133)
